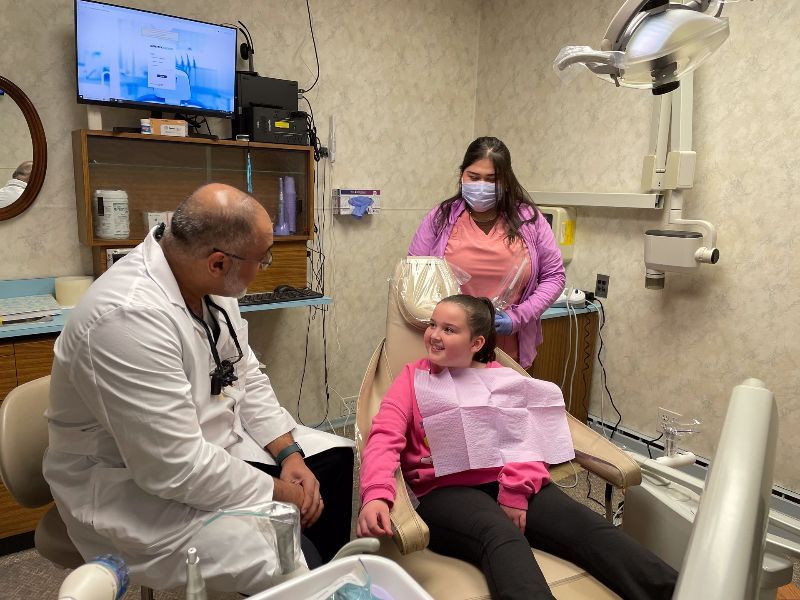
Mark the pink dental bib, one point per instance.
(483, 418)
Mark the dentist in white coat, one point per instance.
(145, 444)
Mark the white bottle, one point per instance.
(110, 212)
(103, 578)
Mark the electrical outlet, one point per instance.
(601, 286)
(668, 417)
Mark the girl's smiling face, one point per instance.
(448, 338)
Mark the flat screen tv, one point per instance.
(139, 59)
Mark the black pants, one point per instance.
(467, 523)
(334, 471)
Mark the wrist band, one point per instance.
(286, 452)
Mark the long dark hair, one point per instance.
(510, 194)
(480, 319)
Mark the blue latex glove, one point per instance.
(502, 323)
(360, 205)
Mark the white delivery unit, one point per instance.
(388, 579)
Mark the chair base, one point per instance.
(52, 541)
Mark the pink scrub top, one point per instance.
(488, 258)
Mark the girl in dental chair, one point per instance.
(479, 466)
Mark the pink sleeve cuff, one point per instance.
(378, 492)
(514, 499)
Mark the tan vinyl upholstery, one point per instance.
(23, 440)
(447, 578)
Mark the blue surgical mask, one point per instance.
(479, 195)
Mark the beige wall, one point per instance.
(398, 76)
(687, 346)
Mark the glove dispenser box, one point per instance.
(356, 203)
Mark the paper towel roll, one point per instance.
(70, 289)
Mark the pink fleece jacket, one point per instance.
(397, 436)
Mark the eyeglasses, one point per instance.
(263, 263)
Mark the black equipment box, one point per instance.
(263, 109)
(253, 90)
(275, 126)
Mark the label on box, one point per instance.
(174, 130)
(172, 127)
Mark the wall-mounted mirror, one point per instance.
(23, 153)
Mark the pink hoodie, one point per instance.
(397, 436)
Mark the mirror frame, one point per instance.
(39, 143)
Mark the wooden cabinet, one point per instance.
(558, 350)
(8, 370)
(158, 172)
(22, 360)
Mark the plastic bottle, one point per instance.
(282, 227)
(290, 204)
(110, 211)
(105, 577)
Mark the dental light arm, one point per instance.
(597, 61)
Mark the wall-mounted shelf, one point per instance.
(158, 172)
(46, 285)
(287, 304)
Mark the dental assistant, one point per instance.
(159, 414)
(486, 229)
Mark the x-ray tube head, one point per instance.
(673, 250)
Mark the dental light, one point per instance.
(651, 44)
(656, 44)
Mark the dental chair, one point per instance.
(418, 284)
(23, 441)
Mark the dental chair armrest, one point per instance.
(599, 456)
(410, 531)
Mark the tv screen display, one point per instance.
(139, 59)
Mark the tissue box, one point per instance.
(174, 127)
(343, 206)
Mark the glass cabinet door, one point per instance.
(158, 174)
(279, 174)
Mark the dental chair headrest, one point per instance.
(420, 282)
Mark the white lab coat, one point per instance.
(11, 192)
(140, 454)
